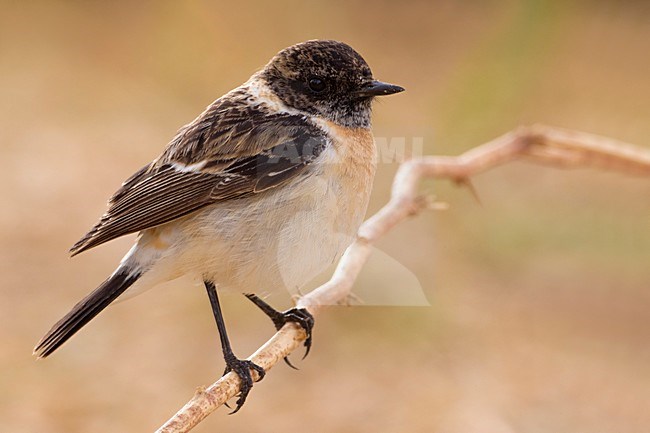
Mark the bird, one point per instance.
(263, 190)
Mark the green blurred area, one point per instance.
(539, 318)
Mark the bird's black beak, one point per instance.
(377, 88)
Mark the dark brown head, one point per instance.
(326, 78)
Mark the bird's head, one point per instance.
(328, 79)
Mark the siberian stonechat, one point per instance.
(264, 189)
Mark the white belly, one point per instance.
(279, 241)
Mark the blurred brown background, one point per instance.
(540, 298)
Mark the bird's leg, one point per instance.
(298, 315)
(240, 366)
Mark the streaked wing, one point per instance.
(168, 189)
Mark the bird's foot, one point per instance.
(242, 367)
(297, 315)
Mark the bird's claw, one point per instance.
(243, 367)
(297, 315)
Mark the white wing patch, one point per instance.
(192, 168)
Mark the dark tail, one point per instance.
(85, 310)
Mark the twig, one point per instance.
(540, 144)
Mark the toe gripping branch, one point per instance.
(242, 367)
(297, 315)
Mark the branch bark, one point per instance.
(538, 144)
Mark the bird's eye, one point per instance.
(316, 85)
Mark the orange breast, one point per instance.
(356, 150)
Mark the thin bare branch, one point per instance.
(538, 144)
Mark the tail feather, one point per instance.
(85, 310)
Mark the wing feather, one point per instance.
(161, 192)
